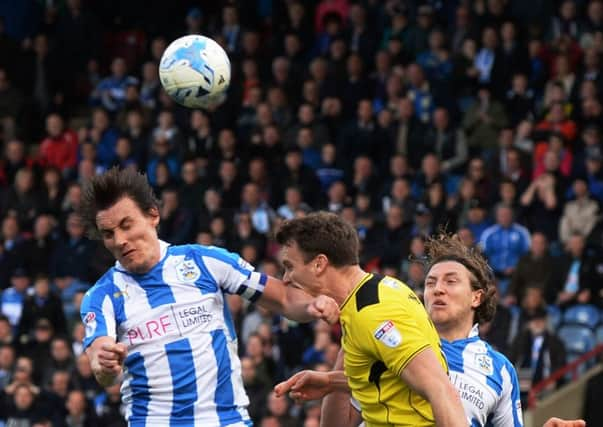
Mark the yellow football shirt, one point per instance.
(384, 326)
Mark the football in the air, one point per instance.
(195, 71)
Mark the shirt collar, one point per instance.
(474, 331)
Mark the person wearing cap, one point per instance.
(422, 224)
(477, 218)
(13, 297)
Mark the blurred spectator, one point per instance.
(12, 246)
(20, 406)
(316, 352)
(37, 348)
(483, 121)
(297, 174)
(102, 135)
(262, 215)
(13, 298)
(580, 214)
(520, 100)
(15, 158)
(22, 375)
(504, 243)
(42, 303)
(577, 277)
(542, 199)
(279, 407)
(23, 200)
(7, 364)
(60, 147)
(108, 407)
(447, 142)
(536, 268)
(52, 192)
(111, 91)
(176, 220)
(536, 352)
(73, 252)
(192, 189)
(78, 412)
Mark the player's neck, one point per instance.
(456, 331)
(346, 279)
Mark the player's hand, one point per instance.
(558, 422)
(305, 385)
(111, 358)
(324, 307)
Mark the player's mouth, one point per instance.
(127, 253)
(438, 304)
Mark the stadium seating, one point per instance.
(577, 339)
(583, 314)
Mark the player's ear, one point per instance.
(319, 263)
(153, 214)
(476, 298)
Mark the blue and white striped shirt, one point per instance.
(182, 366)
(486, 381)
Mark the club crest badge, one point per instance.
(388, 334)
(484, 363)
(187, 271)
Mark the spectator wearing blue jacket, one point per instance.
(504, 243)
(111, 91)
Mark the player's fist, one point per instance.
(305, 385)
(111, 357)
(324, 307)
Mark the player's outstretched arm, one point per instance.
(106, 359)
(425, 375)
(312, 385)
(297, 305)
(558, 422)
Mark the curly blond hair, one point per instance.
(449, 247)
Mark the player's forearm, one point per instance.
(338, 382)
(447, 407)
(337, 410)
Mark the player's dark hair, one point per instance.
(445, 247)
(103, 191)
(322, 233)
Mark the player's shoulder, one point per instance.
(382, 295)
(497, 356)
(211, 257)
(104, 285)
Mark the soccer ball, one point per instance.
(195, 71)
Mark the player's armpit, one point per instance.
(425, 375)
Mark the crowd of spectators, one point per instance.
(479, 117)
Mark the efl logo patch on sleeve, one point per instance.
(388, 334)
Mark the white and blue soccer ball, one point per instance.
(195, 72)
